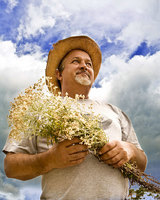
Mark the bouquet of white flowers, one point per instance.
(39, 113)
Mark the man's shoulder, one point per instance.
(101, 105)
(108, 105)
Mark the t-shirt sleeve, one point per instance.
(128, 132)
(25, 145)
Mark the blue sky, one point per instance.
(128, 35)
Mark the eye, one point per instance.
(75, 61)
(89, 64)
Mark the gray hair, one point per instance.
(60, 68)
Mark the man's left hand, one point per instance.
(116, 153)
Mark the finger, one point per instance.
(76, 148)
(76, 162)
(119, 164)
(78, 156)
(113, 160)
(109, 155)
(107, 147)
(75, 140)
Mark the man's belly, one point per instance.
(91, 180)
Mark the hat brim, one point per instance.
(62, 47)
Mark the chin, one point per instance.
(83, 80)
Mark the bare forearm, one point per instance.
(25, 166)
(139, 157)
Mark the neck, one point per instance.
(83, 90)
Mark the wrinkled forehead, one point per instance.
(76, 53)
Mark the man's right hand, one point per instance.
(67, 153)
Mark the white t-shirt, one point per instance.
(90, 180)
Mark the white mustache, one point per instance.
(80, 72)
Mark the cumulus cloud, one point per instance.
(143, 25)
(10, 4)
(31, 193)
(134, 86)
(39, 17)
(130, 22)
(11, 190)
(19, 71)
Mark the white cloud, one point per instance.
(40, 16)
(130, 22)
(31, 193)
(117, 74)
(19, 71)
(8, 190)
(134, 87)
(10, 4)
(137, 31)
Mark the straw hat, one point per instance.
(62, 47)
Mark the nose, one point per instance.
(83, 66)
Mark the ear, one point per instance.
(58, 75)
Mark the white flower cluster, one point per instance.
(36, 113)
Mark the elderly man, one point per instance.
(68, 170)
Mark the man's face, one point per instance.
(77, 68)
